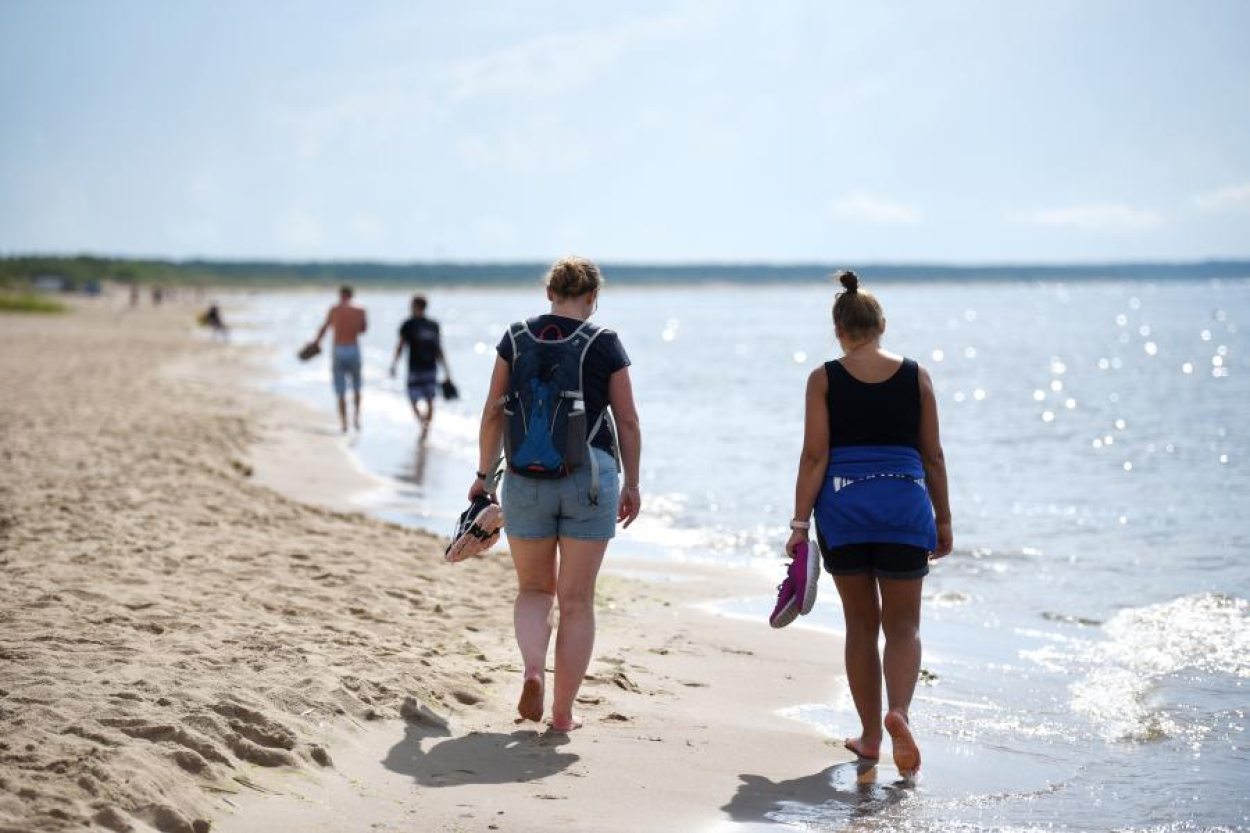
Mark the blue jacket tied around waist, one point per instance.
(875, 494)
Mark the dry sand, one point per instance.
(184, 646)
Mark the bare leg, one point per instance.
(424, 416)
(343, 412)
(420, 417)
(532, 615)
(356, 412)
(575, 638)
(863, 665)
(900, 619)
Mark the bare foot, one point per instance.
(569, 724)
(906, 752)
(863, 749)
(530, 706)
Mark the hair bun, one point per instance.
(849, 280)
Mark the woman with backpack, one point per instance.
(559, 386)
(873, 472)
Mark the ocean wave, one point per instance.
(1205, 633)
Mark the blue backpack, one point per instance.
(546, 435)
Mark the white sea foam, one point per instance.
(1208, 633)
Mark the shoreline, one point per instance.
(627, 703)
(244, 643)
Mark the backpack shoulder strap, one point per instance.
(592, 332)
(515, 330)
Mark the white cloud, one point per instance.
(300, 231)
(556, 64)
(864, 207)
(1099, 217)
(368, 228)
(404, 98)
(1230, 198)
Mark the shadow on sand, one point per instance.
(841, 793)
(478, 757)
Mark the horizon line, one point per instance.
(649, 264)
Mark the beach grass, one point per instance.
(29, 302)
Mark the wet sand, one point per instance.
(194, 634)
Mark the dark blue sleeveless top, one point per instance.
(874, 413)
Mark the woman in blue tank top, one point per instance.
(873, 473)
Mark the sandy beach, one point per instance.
(197, 632)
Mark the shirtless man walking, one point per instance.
(349, 323)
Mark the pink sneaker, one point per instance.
(797, 594)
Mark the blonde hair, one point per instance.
(573, 277)
(856, 313)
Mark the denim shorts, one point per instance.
(344, 362)
(561, 507)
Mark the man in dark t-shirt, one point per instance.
(607, 355)
(420, 335)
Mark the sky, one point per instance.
(965, 131)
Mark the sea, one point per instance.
(1086, 646)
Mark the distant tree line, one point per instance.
(81, 270)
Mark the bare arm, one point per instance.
(934, 464)
(364, 321)
(629, 431)
(814, 459)
(490, 434)
(322, 332)
(399, 351)
(442, 359)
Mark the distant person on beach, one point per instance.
(558, 386)
(420, 335)
(873, 471)
(214, 321)
(348, 321)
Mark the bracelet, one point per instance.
(800, 525)
(481, 475)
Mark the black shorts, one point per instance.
(881, 560)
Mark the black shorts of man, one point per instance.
(420, 336)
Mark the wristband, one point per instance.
(480, 475)
(800, 525)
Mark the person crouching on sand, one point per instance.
(349, 323)
(558, 384)
(873, 471)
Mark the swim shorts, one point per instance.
(345, 362)
(422, 384)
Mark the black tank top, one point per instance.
(881, 413)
